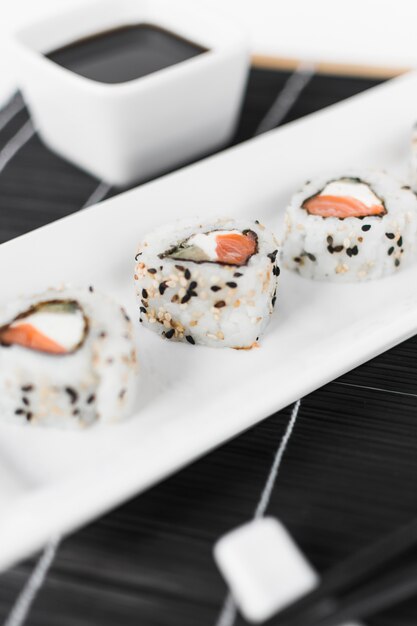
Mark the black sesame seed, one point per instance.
(187, 274)
(137, 255)
(405, 187)
(311, 256)
(151, 270)
(72, 394)
(274, 299)
(231, 284)
(256, 221)
(391, 250)
(162, 287)
(91, 398)
(352, 251)
(366, 227)
(330, 240)
(237, 274)
(400, 242)
(91, 288)
(297, 259)
(29, 416)
(276, 271)
(390, 235)
(190, 339)
(185, 299)
(27, 388)
(192, 285)
(329, 248)
(397, 262)
(76, 412)
(215, 288)
(144, 294)
(170, 333)
(142, 309)
(220, 304)
(25, 401)
(181, 268)
(192, 294)
(19, 411)
(272, 256)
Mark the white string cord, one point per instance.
(228, 612)
(286, 98)
(98, 194)
(14, 144)
(14, 106)
(21, 607)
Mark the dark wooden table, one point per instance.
(348, 475)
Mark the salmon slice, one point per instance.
(235, 248)
(340, 206)
(28, 336)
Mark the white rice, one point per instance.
(352, 249)
(232, 304)
(94, 383)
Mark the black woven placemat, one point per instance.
(348, 475)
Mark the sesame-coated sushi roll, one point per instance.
(350, 227)
(209, 283)
(67, 359)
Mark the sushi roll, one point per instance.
(350, 227)
(67, 359)
(208, 283)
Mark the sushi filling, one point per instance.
(228, 247)
(55, 327)
(345, 197)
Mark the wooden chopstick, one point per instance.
(361, 582)
(263, 61)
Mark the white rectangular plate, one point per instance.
(191, 398)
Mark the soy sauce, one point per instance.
(126, 53)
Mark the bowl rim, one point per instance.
(239, 42)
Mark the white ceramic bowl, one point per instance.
(128, 132)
